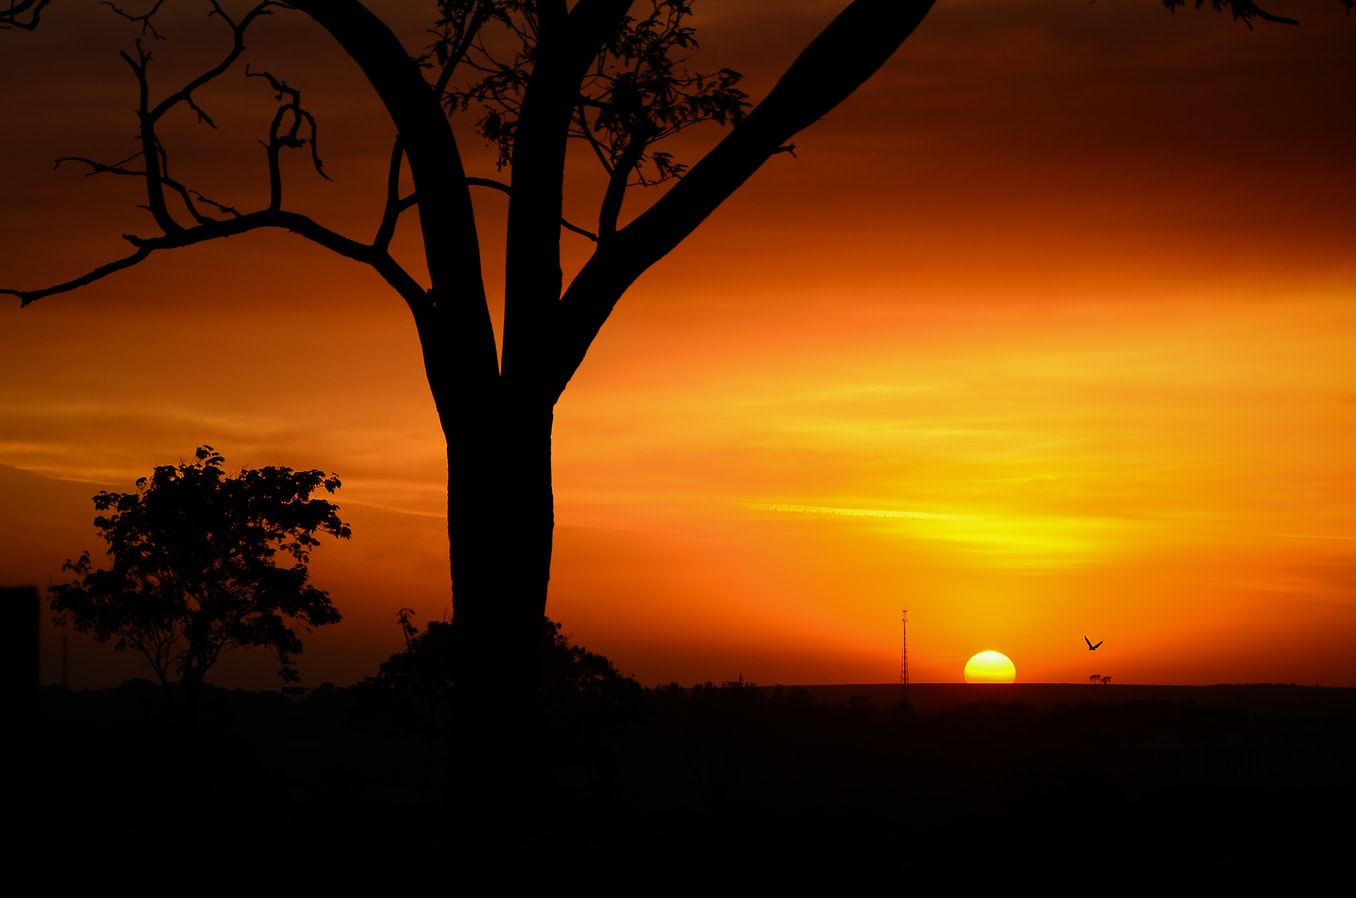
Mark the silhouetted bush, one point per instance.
(570, 674)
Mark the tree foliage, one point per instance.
(1245, 10)
(636, 92)
(195, 566)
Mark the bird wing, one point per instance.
(1098, 645)
(1088, 641)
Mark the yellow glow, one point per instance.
(990, 667)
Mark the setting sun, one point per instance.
(990, 667)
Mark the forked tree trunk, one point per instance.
(497, 420)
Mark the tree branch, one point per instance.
(189, 197)
(390, 213)
(454, 42)
(506, 189)
(22, 14)
(278, 139)
(1243, 10)
(30, 296)
(567, 45)
(185, 93)
(447, 218)
(618, 178)
(847, 52)
(144, 18)
(152, 152)
(375, 257)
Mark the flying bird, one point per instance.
(1091, 647)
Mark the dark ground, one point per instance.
(716, 790)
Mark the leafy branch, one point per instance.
(1244, 10)
(637, 92)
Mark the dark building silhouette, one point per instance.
(19, 614)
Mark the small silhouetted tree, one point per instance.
(194, 566)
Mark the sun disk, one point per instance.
(990, 667)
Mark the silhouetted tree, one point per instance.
(194, 566)
(536, 75)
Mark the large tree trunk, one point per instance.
(500, 519)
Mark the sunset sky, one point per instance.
(1049, 331)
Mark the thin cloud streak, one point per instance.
(859, 512)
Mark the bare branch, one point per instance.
(447, 219)
(183, 95)
(150, 143)
(89, 277)
(390, 213)
(292, 125)
(506, 189)
(491, 183)
(152, 151)
(583, 232)
(282, 135)
(301, 225)
(187, 195)
(22, 14)
(100, 168)
(144, 18)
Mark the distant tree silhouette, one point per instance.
(194, 569)
(1095, 678)
(537, 76)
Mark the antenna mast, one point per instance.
(904, 648)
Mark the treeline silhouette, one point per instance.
(709, 789)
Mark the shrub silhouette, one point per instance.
(427, 667)
(194, 569)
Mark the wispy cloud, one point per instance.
(858, 512)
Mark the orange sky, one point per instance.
(1049, 331)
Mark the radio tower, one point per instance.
(904, 648)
